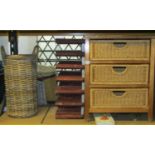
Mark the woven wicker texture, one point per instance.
(119, 74)
(20, 80)
(1, 84)
(117, 98)
(119, 50)
(45, 71)
(47, 74)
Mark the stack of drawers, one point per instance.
(119, 72)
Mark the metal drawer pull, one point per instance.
(118, 93)
(119, 69)
(120, 44)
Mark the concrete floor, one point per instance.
(46, 116)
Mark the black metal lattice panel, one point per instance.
(48, 47)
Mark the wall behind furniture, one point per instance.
(4, 43)
(26, 44)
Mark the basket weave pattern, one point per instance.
(1, 85)
(132, 50)
(20, 81)
(132, 74)
(104, 98)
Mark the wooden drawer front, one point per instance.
(119, 50)
(119, 74)
(117, 98)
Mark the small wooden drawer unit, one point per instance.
(120, 75)
(120, 50)
(118, 98)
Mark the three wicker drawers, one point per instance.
(119, 75)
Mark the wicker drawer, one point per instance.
(118, 98)
(119, 49)
(119, 74)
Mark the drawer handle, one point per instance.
(119, 44)
(118, 92)
(119, 69)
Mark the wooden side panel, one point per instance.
(87, 80)
(151, 80)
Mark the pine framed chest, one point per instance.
(119, 73)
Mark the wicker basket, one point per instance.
(47, 74)
(20, 80)
(118, 98)
(1, 83)
(2, 86)
(119, 74)
(119, 50)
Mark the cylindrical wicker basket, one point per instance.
(20, 81)
(1, 83)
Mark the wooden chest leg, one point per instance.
(89, 118)
(150, 115)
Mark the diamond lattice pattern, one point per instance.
(48, 48)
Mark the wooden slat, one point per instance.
(94, 34)
(68, 116)
(151, 81)
(87, 82)
(69, 66)
(119, 85)
(72, 61)
(108, 34)
(70, 73)
(70, 83)
(117, 110)
(69, 90)
(69, 101)
(69, 78)
(70, 41)
(68, 113)
(69, 53)
(4, 33)
(120, 61)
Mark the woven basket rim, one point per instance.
(20, 56)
